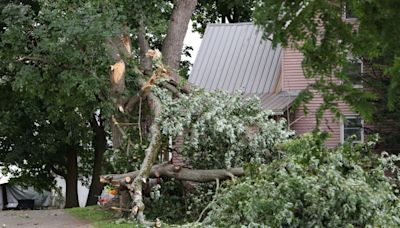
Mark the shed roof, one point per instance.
(278, 103)
(234, 56)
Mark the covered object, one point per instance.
(14, 196)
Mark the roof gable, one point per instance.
(233, 57)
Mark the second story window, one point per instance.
(348, 12)
(354, 70)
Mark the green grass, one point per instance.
(99, 217)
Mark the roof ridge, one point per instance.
(230, 24)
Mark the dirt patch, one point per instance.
(40, 218)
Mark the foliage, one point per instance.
(222, 130)
(123, 161)
(184, 201)
(53, 67)
(212, 11)
(320, 31)
(313, 186)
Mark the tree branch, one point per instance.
(128, 107)
(116, 124)
(168, 170)
(57, 171)
(151, 155)
(145, 62)
(171, 88)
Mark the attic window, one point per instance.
(352, 127)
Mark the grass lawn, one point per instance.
(100, 218)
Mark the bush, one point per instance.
(312, 186)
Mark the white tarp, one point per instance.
(15, 193)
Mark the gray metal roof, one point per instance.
(233, 57)
(278, 103)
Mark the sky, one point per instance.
(192, 39)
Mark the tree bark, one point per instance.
(71, 179)
(173, 42)
(100, 146)
(145, 62)
(168, 170)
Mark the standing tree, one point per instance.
(53, 65)
(56, 74)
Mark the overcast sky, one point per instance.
(192, 39)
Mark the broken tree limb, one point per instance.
(149, 159)
(168, 170)
(211, 203)
(171, 88)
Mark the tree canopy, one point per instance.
(212, 11)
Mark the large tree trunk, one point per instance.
(173, 42)
(71, 179)
(100, 146)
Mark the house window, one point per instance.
(354, 70)
(352, 127)
(348, 12)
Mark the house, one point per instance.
(236, 57)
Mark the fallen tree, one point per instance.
(217, 131)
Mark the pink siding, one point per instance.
(293, 80)
(292, 73)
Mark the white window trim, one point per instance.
(351, 58)
(344, 15)
(361, 72)
(342, 128)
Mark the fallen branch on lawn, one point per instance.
(169, 170)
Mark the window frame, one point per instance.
(347, 15)
(362, 129)
(356, 60)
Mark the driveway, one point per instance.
(40, 218)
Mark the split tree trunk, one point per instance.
(71, 178)
(100, 146)
(172, 49)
